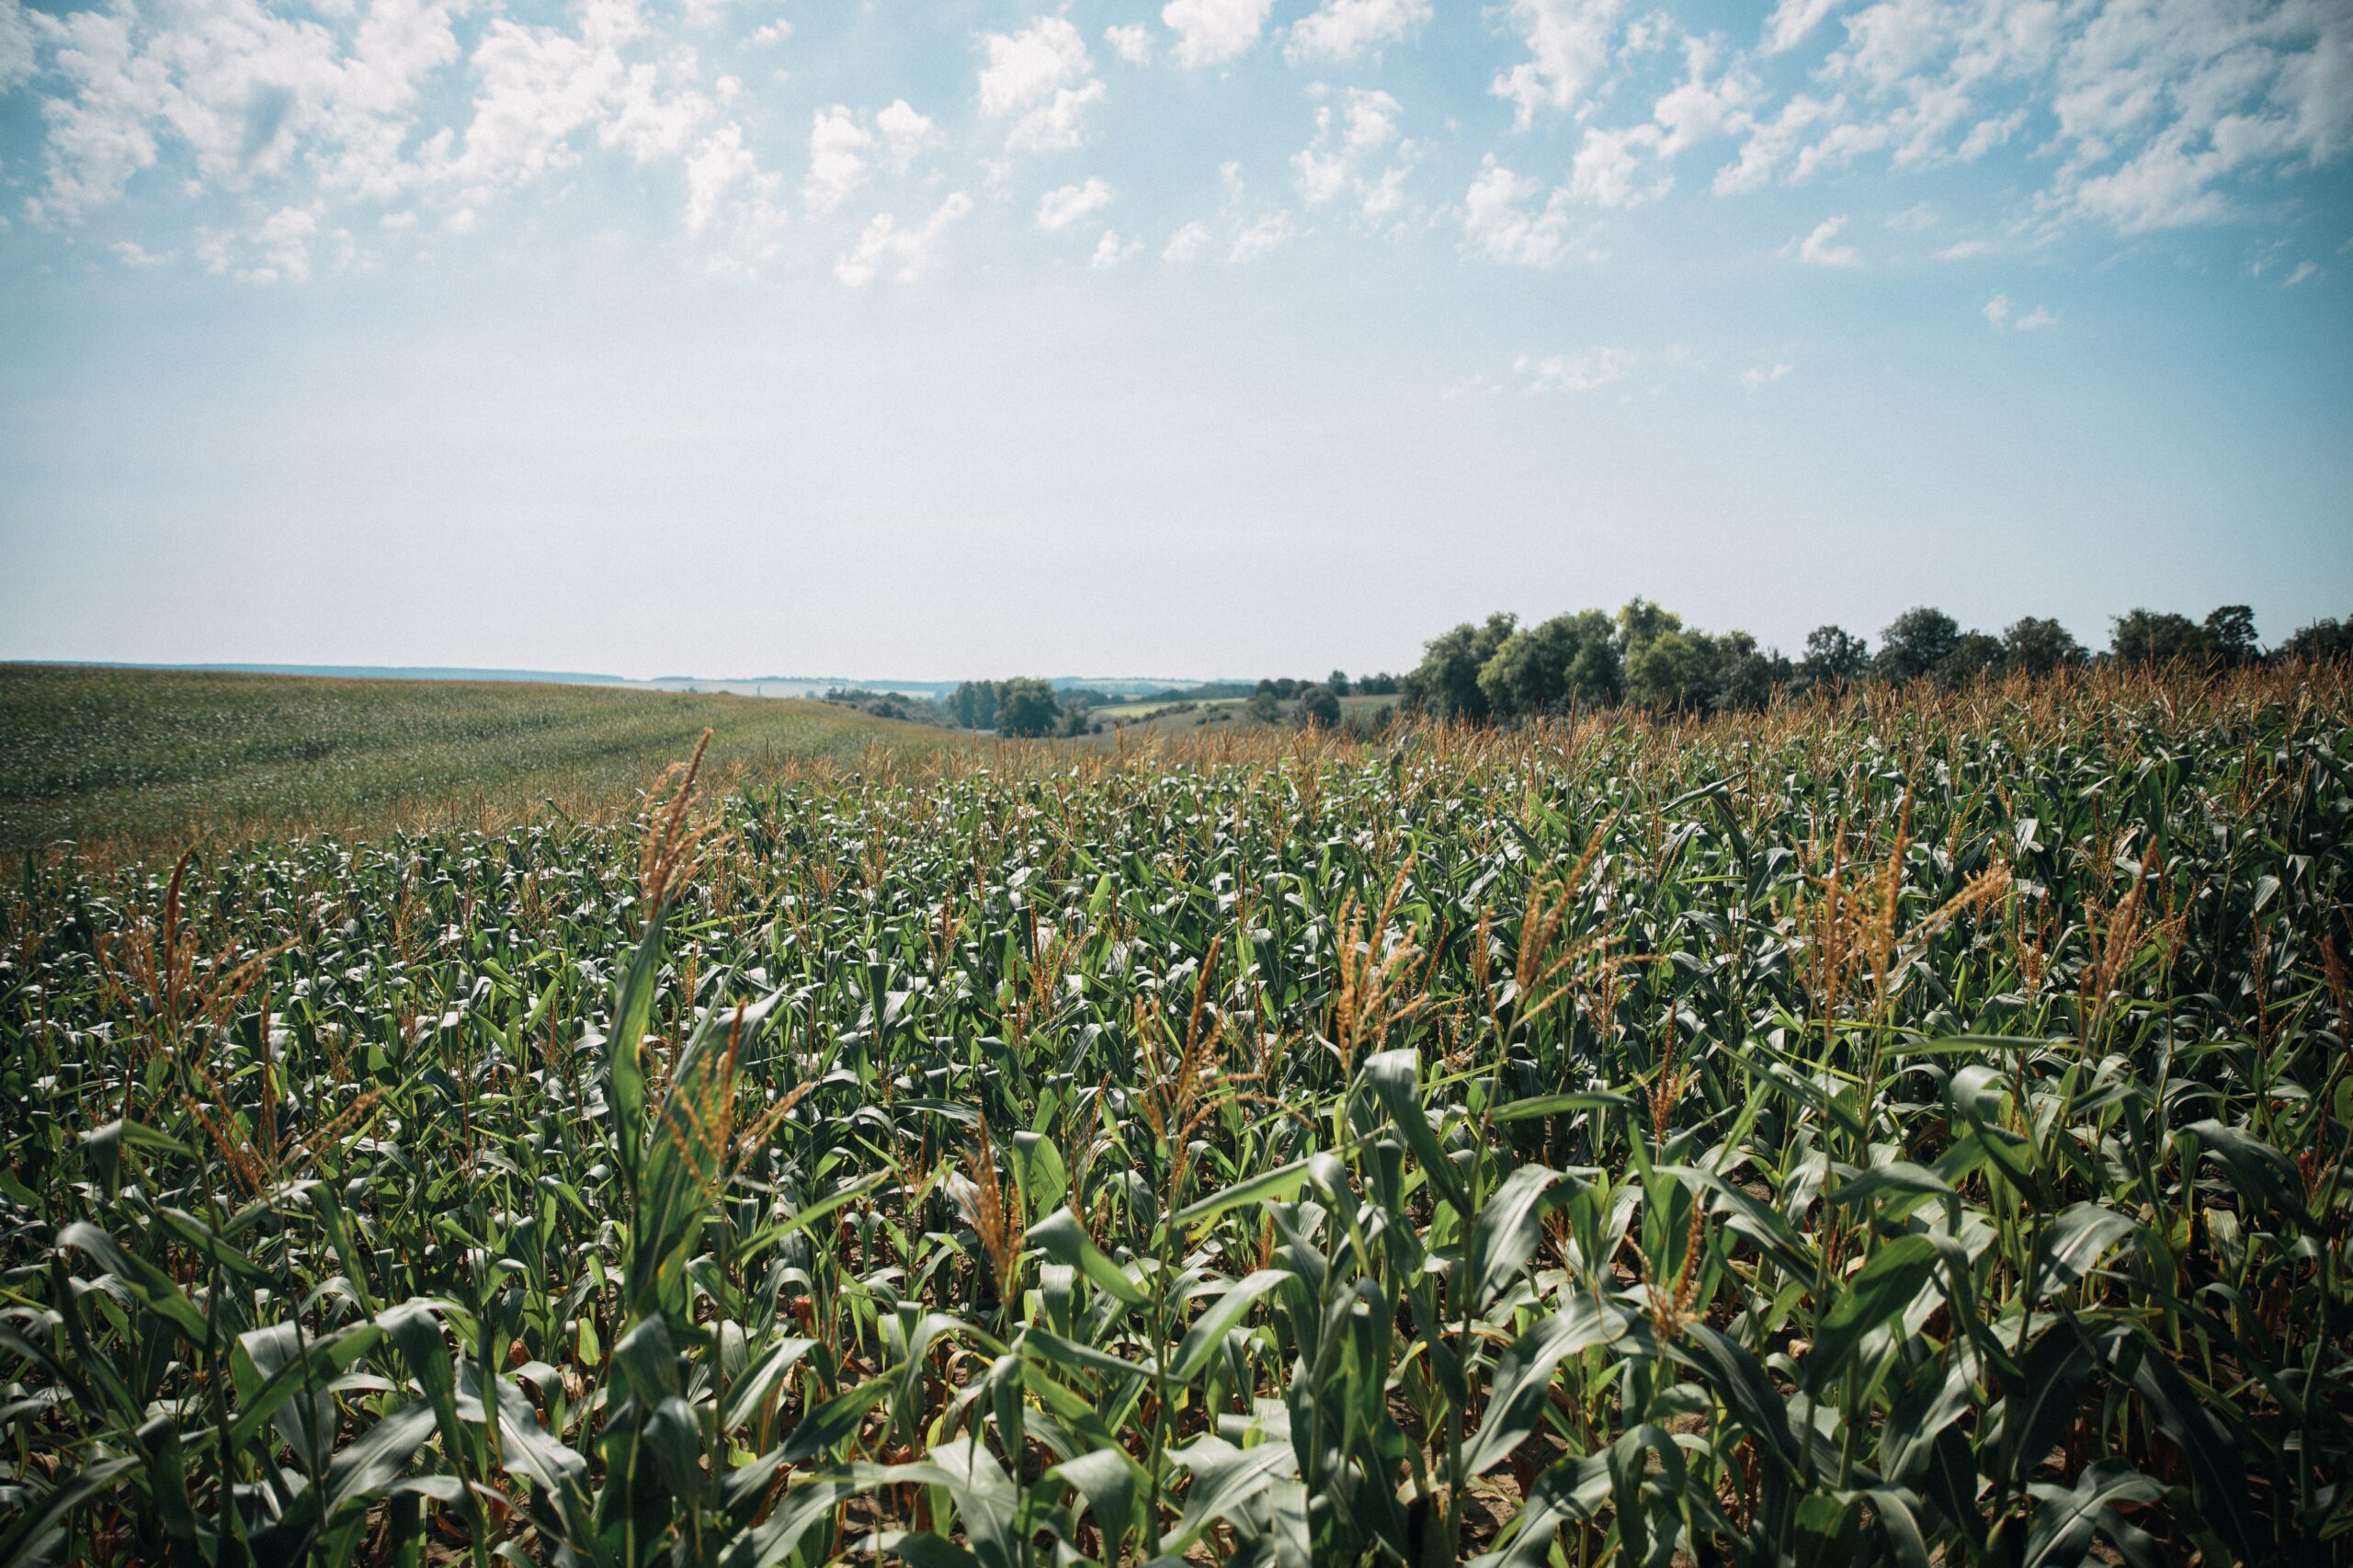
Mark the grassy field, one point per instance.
(131, 760)
(1913, 1131)
(1190, 721)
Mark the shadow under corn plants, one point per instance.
(1909, 1131)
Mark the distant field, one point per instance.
(1180, 719)
(125, 761)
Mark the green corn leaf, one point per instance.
(148, 1286)
(1510, 1226)
(2062, 1532)
(1210, 1330)
(1746, 1389)
(2073, 1246)
(1882, 1287)
(1516, 1393)
(1059, 1237)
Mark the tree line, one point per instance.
(1498, 669)
(1646, 654)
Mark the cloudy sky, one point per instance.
(1212, 336)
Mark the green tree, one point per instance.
(2326, 639)
(1026, 708)
(1674, 669)
(1974, 653)
(1641, 620)
(1746, 675)
(2157, 637)
(2037, 645)
(1318, 709)
(1597, 675)
(1529, 673)
(972, 705)
(1834, 657)
(1446, 682)
(1916, 643)
(2230, 635)
(1338, 681)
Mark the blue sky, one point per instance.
(1211, 336)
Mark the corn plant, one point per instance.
(1902, 1130)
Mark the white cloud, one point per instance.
(1820, 248)
(905, 135)
(1110, 251)
(134, 254)
(1210, 32)
(2130, 116)
(1131, 42)
(273, 250)
(1792, 21)
(1568, 44)
(2304, 269)
(1771, 142)
(1608, 168)
(1612, 165)
(1588, 371)
(535, 88)
(1345, 29)
(1351, 154)
(1188, 243)
(1041, 79)
(1495, 220)
(1965, 250)
(733, 204)
(1999, 313)
(2162, 107)
(16, 44)
(1061, 208)
(1270, 233)
(1757, 376)
(252, 97)
(912, 251)
(652, 126)
(837, 149)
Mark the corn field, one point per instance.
(1907, 1130)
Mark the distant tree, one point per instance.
(972, 705)
(1834, 657)
(1446, 682)
(1078, 716)
(1598, 675)
(1640, 620)
(1026, 708)
(1318, 709)
(2157, 637)
(1381, 685)
(1338, 681)
(1264, 704)
(2230, 635)
(1673, 668)
(2326, 639)
(1973, 654)
(2035, 645)
(1916, 643)
(1529, 673)
(1746, 674)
